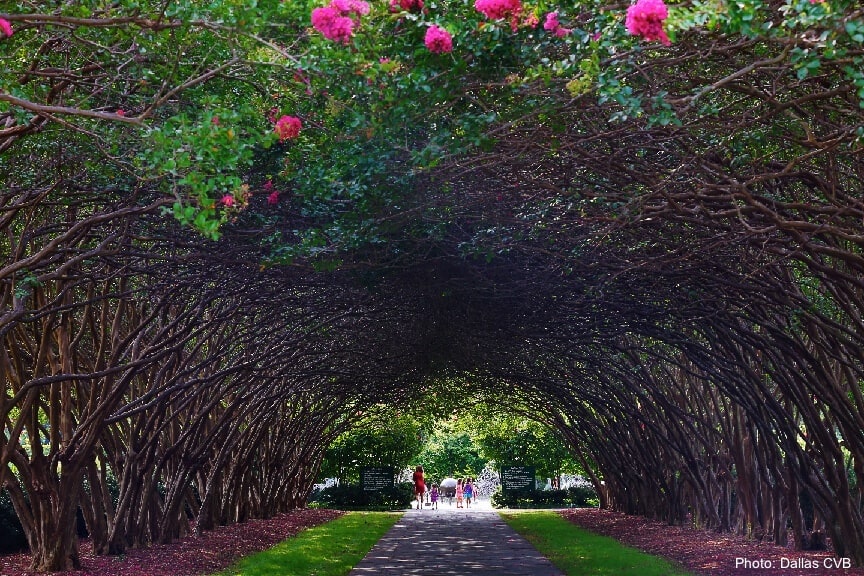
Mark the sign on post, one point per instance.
(518, 478)
(376, 478)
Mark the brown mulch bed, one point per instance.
(704, 552)
(190, 556)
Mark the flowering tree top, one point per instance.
(345, 102)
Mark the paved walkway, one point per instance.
(453, 541)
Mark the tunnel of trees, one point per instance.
(228, 235)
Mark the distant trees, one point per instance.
(380, 438)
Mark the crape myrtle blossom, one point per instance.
(531, 21)
(288, 127)
(6, 27)
(347, 7)
(330, 22)
(334, 20)
(554, 26)
(645, 19)
(438, 40)
(496, 9)
(407, 5)
(272, 193)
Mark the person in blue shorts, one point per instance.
(468, 490)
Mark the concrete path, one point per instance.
(453, 541)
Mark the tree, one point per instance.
(449, 452)
(380, 439)
(642, 221)
(517, 441)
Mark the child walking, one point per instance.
(469, 492)
(460, 491)
(433, 495)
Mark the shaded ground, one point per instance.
(191, 556)
(704, 552)
(453, 541)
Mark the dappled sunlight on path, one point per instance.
(454, 541)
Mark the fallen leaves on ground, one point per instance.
(190, 556)
(705, 552)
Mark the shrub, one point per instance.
(353, 497)
(573, 497)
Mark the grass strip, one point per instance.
(331, 549)
(578, 552)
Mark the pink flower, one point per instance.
(346, 7)
(288, 127)
(273, 198)
(330, 22)
(268, 186)
(334, 20)
(816, 1)
(6, 27)
(438, 40)
(495, 9)
(531, 21)
(121, 113)
(227, 200)
(553, 25)
(645, 19)
(407, 5)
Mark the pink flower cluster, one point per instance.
(6, 27)
(288, 127)
(346, 7)
(554, 26)
(273, 194)
(334, 20)
(407, 5)
(645, 19)
(496, 9)
(438, 40)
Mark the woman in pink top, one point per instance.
(460, 491)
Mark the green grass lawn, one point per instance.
(331, 549)
(579, 552)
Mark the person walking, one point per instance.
(460, 491)
(419, 486)
(468, 490)
(433, 495)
